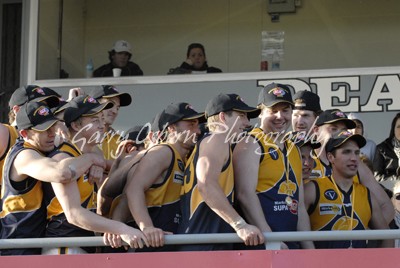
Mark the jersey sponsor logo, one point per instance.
(293, 207)
(178, 177)
(273, 153)
(330, 209)
(282, 206)
(181, 165)
(330, 194)
(345, 223)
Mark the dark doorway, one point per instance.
(10, 54)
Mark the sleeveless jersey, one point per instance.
(58, 226)
(110, 144)
(23, 212)
(12, 138)
(327, 214)
(163, 199)
(279, 177)
(197, 217)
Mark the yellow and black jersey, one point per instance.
(57, 222)
(110, 144)
(23, 213)
(332, 211)
(279, 179)
(12, 138)
(162, 199)
(197, 217)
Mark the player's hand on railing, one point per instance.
(251, 235)
(155, 236)
(135, 238)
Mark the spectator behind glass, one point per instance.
(369, 149)
(196, 62)
(119, 57)
(387, 155)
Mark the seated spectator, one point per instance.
(119, 57)
(196, 62)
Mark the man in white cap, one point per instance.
(119, 56)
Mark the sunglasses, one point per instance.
(397, 196)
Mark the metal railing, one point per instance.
(273, 239)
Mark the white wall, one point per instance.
(321, 34)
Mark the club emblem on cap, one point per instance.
(339, 113)
(279, 92)
(39, 90)
(43, 111)
(124, 44)
(89, 99)
(345, 133)
(188, 107)
(114, 88)
(239, 99)
(300, 103)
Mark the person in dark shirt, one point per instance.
(196, 62)
(119, 56)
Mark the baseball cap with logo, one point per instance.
(83, 106)
(122, 46)
(333, 116)
(306, 100)
(33, 92)
(36, 116)
(176, 112)
(341, 138)
(230, 102)
(273, 94)
(108, 91)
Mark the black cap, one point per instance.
(138, 133)
(339, 139)
(301, 139)
(230, 102)
(108, 91)
(33, 92)
(62, 105)
(306, 100)
(83, 105)
(178, 111)
(36, 116)
(333, 116)
(275, 93)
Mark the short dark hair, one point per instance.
(195, 45)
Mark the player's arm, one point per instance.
(303, 223)
(367, 179)
(310, 194)
(69, 197)
(379, 222)
(148, 172)
(4, 140)
(31, 163)
(213, 155)
(246, 162)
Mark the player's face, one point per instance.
(396, 202)
(346, 159)
(397, 129)
(303, 120)
(237, 122)
(276, 119)
(197, 57)
(328, 130)
(112, 113)
(307, 161)
(187, 131)
(92, 128)
(120, 59)
(42, 140)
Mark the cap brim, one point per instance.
(252, 112)
(350, 124)
(200, 116)
(45, 125)
(98, 109)
(124, 98)
(51, 101)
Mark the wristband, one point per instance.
(239, 224)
